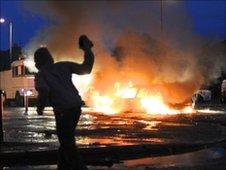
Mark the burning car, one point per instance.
(123, 97)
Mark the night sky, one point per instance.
(208, 17)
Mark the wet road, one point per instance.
(95, 129)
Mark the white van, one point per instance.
(223, 91)
(17, 82)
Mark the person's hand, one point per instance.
(85, 43)
(39, 111)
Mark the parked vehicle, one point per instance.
(223, 91)
(201, 97)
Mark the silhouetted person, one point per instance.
(53, 82)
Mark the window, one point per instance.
(19, 68)
(15, 71)
(22, 70)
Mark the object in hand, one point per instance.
(84, 42)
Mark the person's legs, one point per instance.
(66, 121)
(62, 163)
(78, 156)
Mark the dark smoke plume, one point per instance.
(128, 43)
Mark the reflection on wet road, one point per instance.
(95, 129)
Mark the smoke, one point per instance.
(128, 42)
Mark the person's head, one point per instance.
(42, 57)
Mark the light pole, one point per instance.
(161, 17)
(2, 20)
(1, 121)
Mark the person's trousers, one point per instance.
(68, 157)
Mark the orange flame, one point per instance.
(156, 105)
(125, 97)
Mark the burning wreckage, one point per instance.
(146, 76)
(134, 84)
(126, 97)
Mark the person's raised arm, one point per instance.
(86, 67)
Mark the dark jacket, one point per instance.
(53, 81)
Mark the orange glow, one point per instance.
(155, 105)
(124, 97)
(116, 100)
(103, 104)
(128, 92)
(82, 83)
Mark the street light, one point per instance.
(2, 20)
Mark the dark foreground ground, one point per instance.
(122, 141)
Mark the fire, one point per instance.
(115, 101)
(128, 92)
(156, 105)
(82, 82)
(124, 97)
(103, 104)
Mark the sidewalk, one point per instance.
(21, 154)
(209, 158)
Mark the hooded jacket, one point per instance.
(53, 82)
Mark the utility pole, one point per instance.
(1, 115)
(2, 20)
(11, 41)
(161, 17)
